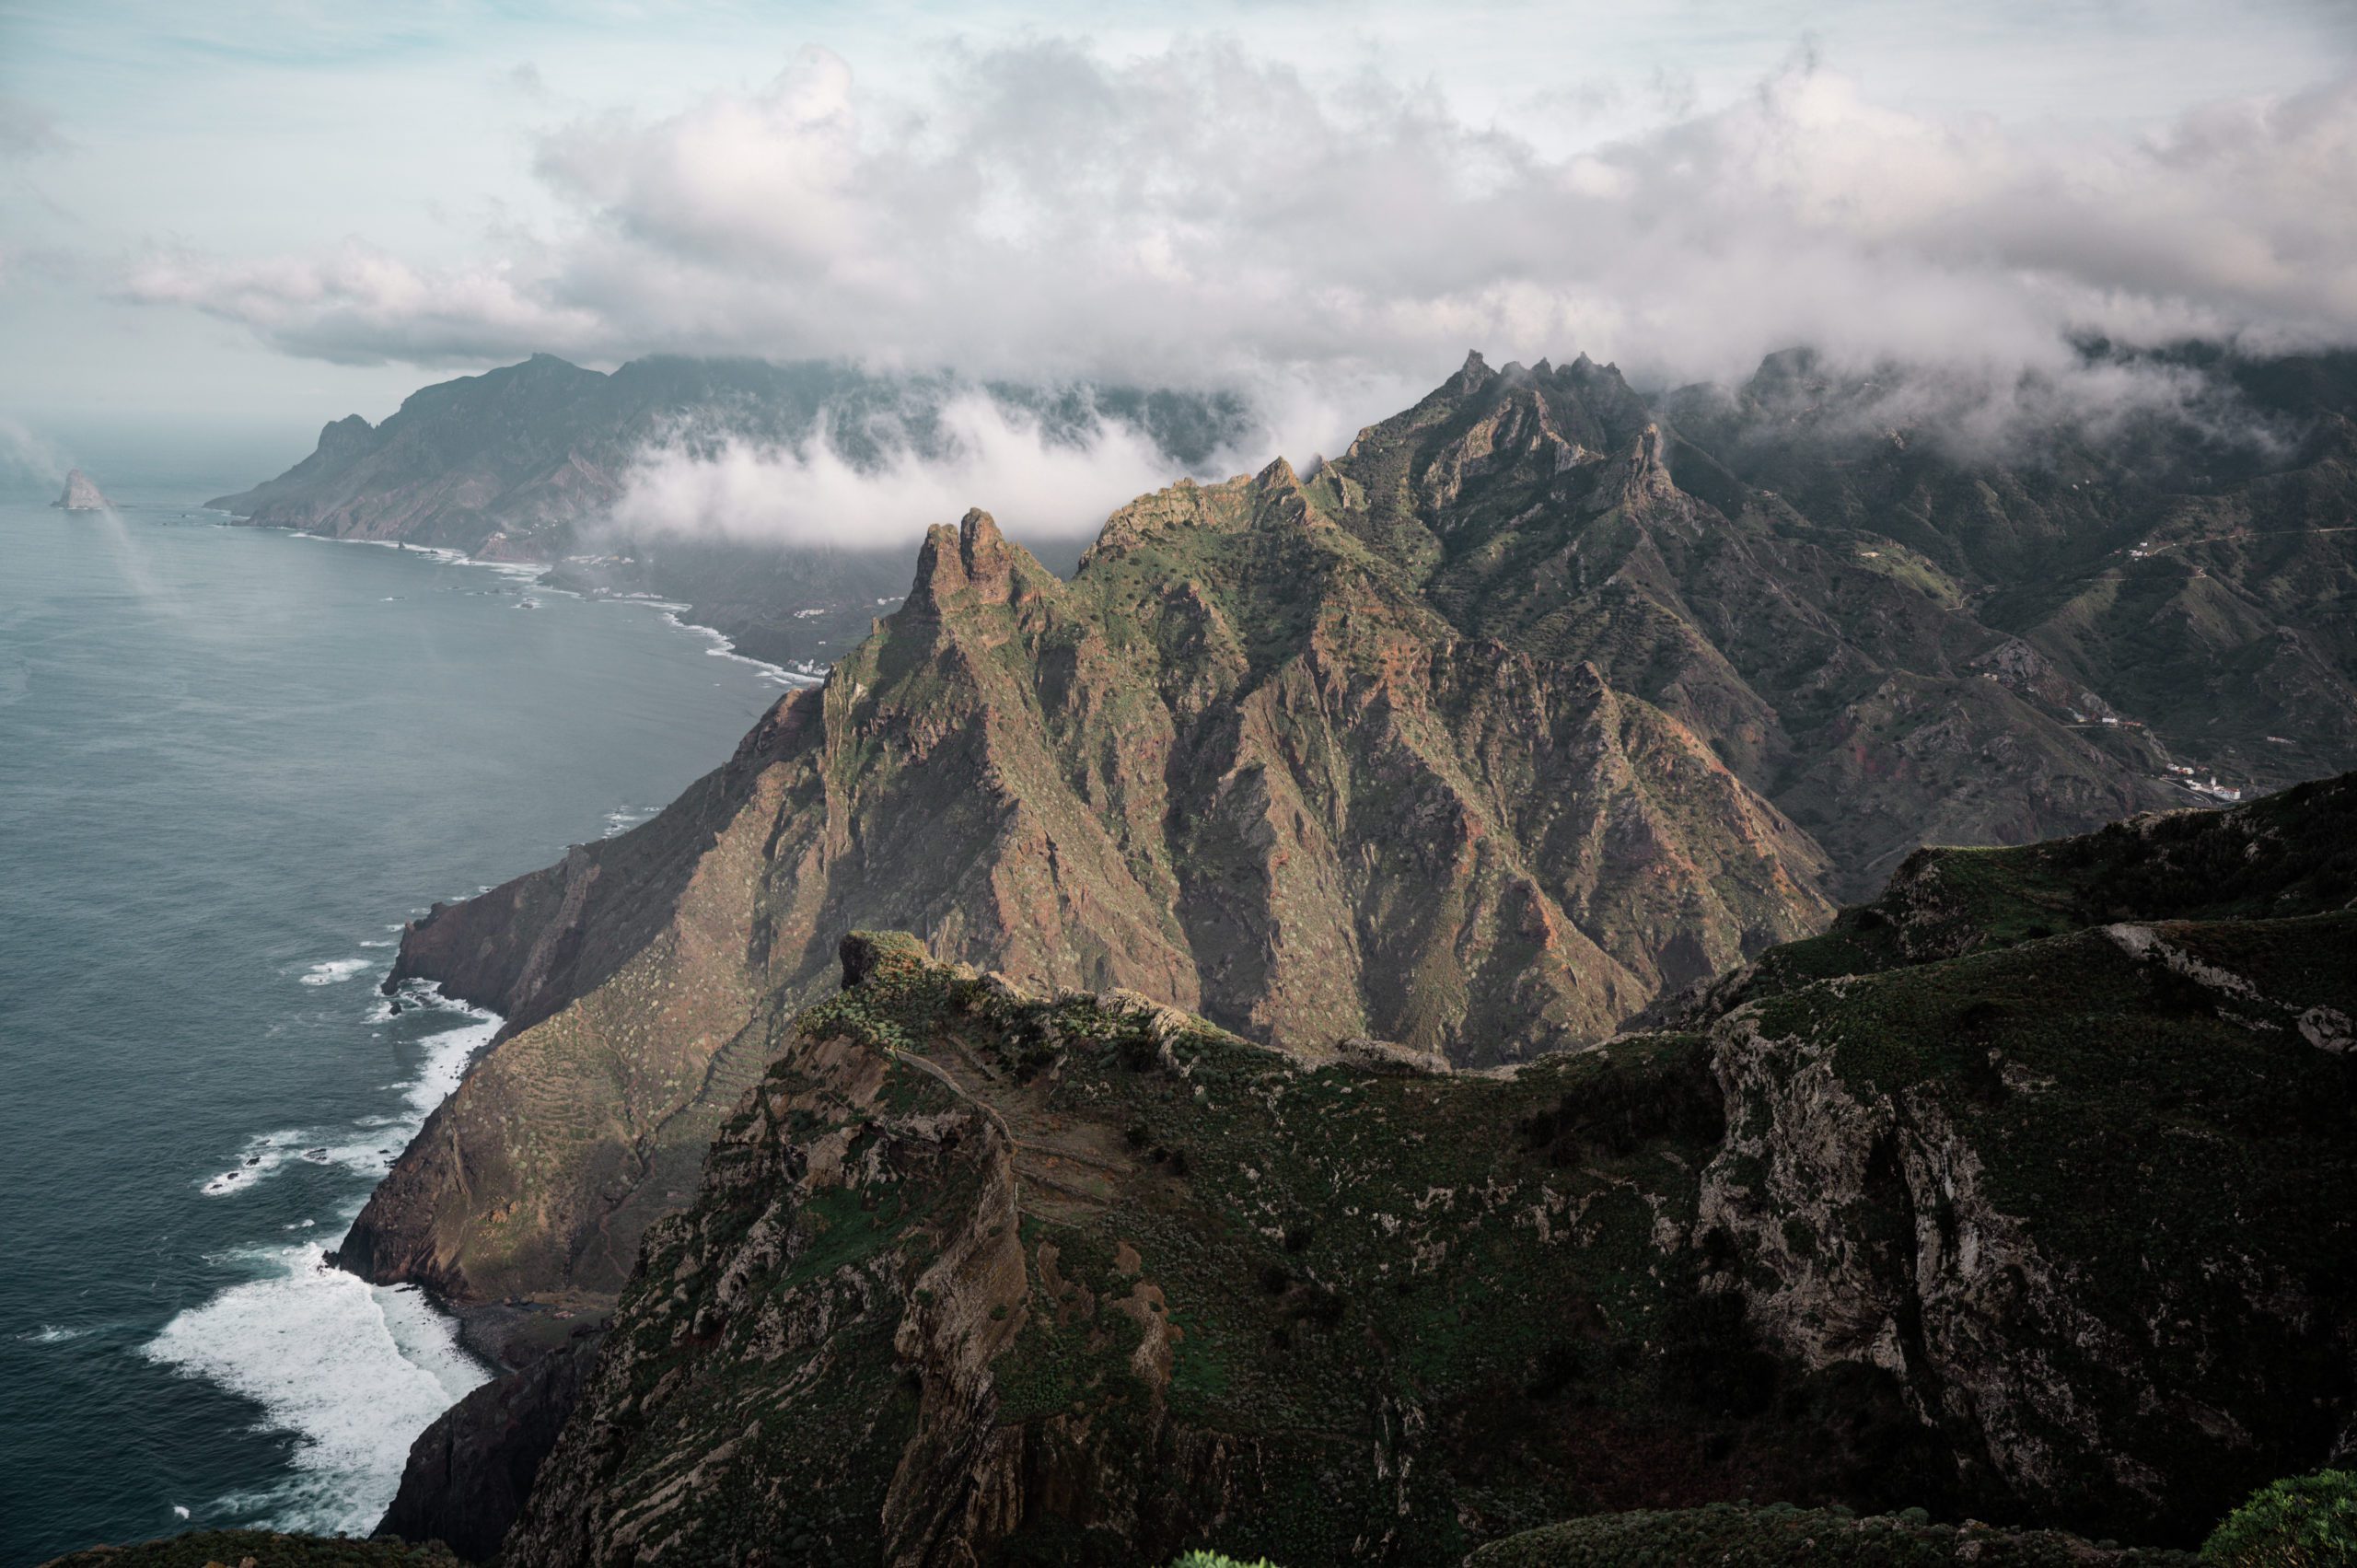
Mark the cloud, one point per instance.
(30, 458)
(1202, 217)
(25, 129)
(974, 452)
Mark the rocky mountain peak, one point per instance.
(1471, 377)
(973, 557)
(1643, 476)
(339, 437)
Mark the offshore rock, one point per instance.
(81, 495)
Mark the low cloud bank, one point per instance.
(1202, 217)
(1039, 481)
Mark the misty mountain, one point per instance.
(1899, 615)
(527, 462)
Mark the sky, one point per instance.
(272, 215)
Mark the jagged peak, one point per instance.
(1278, 475)
(1471, 377)
(973, 556)
(977, 530)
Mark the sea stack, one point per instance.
(81, 495)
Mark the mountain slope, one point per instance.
(1231, 765)
(1551, 509)
(2288, 855)
(978, 1275)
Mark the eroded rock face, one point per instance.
(2072, 1196)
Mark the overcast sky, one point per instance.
(285, 213)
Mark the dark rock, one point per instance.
(469, 1473)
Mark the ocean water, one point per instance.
(232, 762)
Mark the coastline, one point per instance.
(537, 573)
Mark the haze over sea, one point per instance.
(232, 762)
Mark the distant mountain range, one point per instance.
(514, 463)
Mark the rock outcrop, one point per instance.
(82, 494)
(469, 1473)
(982, 1275)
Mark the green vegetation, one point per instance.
(1727, 1535)
(2292, 853)
(2307, 1522)
(261, 1549)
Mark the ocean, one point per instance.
(232, 762)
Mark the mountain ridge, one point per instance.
(1322, 833)
(1471, 739)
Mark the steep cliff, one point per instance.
(469, 1473)
(982, 1275)
(2086, 1197)
(1232, 764)
(979, 1275)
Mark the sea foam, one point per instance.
(353, 1370)
(335, 971)
(724, 648)
(369, 1146)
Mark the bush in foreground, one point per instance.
(2309, 1521)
